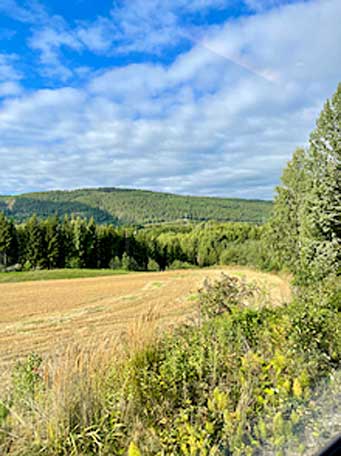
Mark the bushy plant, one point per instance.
(26, 379)
(177, 264)
(152, 265)
(224, 296)
(115, 263)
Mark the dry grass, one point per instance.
(48, 316)
(84, 329)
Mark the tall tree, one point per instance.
(284, 231)
(320, 233)
(306, 225)
(53, 243)
(35, 236)
(8, 241)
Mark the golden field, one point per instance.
(48, 316)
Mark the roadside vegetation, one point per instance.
(236, 379)
(239, 378)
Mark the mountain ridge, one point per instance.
(125, 206)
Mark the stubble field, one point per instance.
(48, 316)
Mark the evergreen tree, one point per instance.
(35, 251)
(91, 244)
(53, 243)
(8, 241)
(67, 248)
(80, 233)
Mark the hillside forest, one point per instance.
(126, 207)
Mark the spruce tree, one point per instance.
(35, 237)
(79, 227)
(53, 242)
(8, 241)
(91, 244)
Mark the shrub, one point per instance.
(177, 264)
(115, 263)
(26, 379)
(152, 265)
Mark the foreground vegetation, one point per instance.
(237, 379)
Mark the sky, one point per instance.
(200, 97)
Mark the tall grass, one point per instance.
(236, 381)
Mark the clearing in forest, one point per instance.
(47, 316)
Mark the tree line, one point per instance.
(74, 242)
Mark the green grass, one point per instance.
(56, 274)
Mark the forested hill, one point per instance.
(127, 207)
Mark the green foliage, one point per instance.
(77, 243)
(306, 225)
(177, 264)
(133, 207)
(128, 263)
(152, 265)
(224, 296)
(115, 263)
(8, 241)
(34, 243)
(26, 379)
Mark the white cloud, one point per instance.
(7, 67)
(9, 88)
(30, 11)
(9, 76)
(48, 41)
(97, 36)
(262, 5)
(221, 119)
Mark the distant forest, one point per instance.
(74, 242)
(133, 207)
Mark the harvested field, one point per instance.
(50, 315)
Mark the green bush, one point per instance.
(26, 379)
(254, 253)
(177, 264)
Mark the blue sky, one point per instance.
(202, 97)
